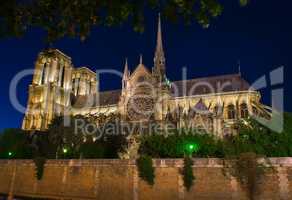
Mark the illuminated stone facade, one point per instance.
(213, 104)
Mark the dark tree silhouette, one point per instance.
(76, 17)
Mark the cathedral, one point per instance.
(213, 104)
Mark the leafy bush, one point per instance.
(113, 144)
(18, 144)
(256, 138)
(253, 137)
(92, 150)
(146, 169)
(14, 144)
(176, 145)
(62, 136)
(187, 173)
(108, 145)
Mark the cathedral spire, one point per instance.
(159, 54)
(159, 59)
(239, 67)
(125, 75)
(141, 59)
(126, 70)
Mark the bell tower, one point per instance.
(50, 91)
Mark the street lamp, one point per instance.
(65, 150)
(191, 148)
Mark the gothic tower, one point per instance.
(159, 73)
(50, 91)
(125, 91)
(159, 58)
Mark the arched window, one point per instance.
(231, 112)
(243, 110)
(254, 110)
(217, 110)
(141, 79)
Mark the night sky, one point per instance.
(259, 35)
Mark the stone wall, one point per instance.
(118, 180)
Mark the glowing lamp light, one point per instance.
(65, 150)
(192, 147)
(10, 153)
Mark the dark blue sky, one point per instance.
(259, 35)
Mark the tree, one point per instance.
(41, 146)
(70, 142)
(66, 139)
(14, 144)
(253, 137)
(91, 149)
(113, 137)
(256, 138)
(180, 143)
(76, 17)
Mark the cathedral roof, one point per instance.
(209, 85)
(198, 86)
(84, 69)
(105, 99)
(141, 68)
(110, 97)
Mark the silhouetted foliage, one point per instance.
(76, 18)
(92, 149)
(14, 144)
(39, 167)
(176, 145)
(41, 145)
(146, 169)
(66, 136)
(187, 172)
(102, 142)
(252, 137)
(259, 139)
